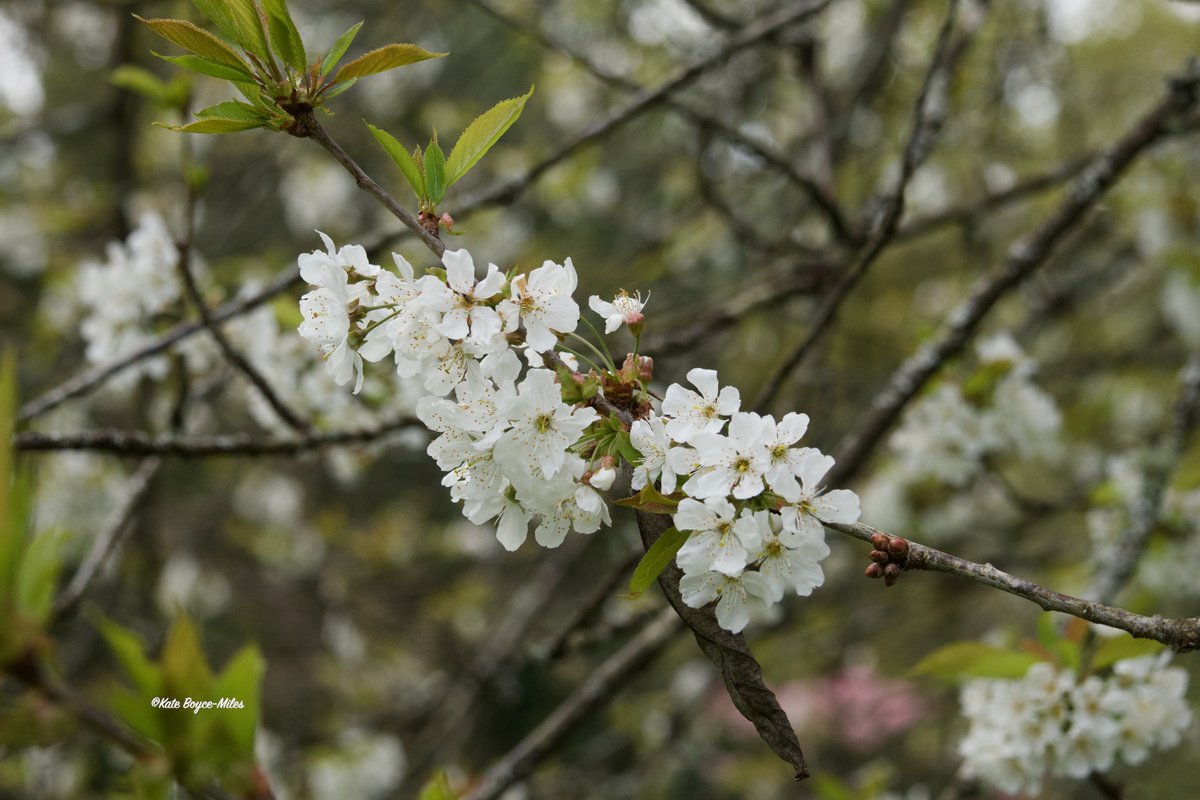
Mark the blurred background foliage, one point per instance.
(398, 638)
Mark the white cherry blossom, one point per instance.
(691, 412)
(542, 302)
(736, 595)
(733, 464)
(543, 426)
(720, 540)
(649, 437)
(625, 309)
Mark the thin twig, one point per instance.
(136, 443)
(606, 680)
(231, 353)
(89, 380)
(1024, 257)
(750, 35)
(1182, 634)
(819, 195)
(109, 540)
(1147, 507)
(307, 126)
(924, 121)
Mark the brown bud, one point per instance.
(878, 555)
(880, 540)
(898, 547)
(890, 573)
(873, 571)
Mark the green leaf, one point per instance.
(142, 81)
(1068, 652)
(401, 158)
(341, 87)
(626, 448)
(960, 660)
(438, 788)
(131, 654)
(651, 501)
(196, 40)
(481, 134)
(218, 12)
(136, 711)
(215, 125)
(435, 171)
(1119, 648)
(383, 59)
(339, 49)
(37, 577)
(233, 110)
(184, 667)
(207, 67)
(248, 26)
(657, 558)
(285, 39)
(242, 680)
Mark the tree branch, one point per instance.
(1024, 257)
(136, 443)
(599, 687)
(924, 122)
(1180, 634)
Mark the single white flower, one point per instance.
(796, 567)
(649, 437)
(814, 506)
(784, 461)
(736, 594)
(542, 302)
(733, 464)
(625, 309)
(720, 541)
(457, 305)
(692, 412)
(542, 427)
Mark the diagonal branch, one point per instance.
(926, 117)
(748, 36)
(819, 195)
(599, 687)
(1146, 509)
(136, 443)
(1182, 634)
(1024, 257)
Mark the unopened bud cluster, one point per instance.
(887, 558)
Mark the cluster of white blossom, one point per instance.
(754, 503)
(947, 434)
(505, 442)
(515, 451)
(1052, 723)
(120, 298)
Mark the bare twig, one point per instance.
(1147, 507)
(1024, 257)
(924, 121)
(307, 126)
(1182, 634)
(231, 353)
(109, 539)
(136, 443)
(599, 687)
(819, 195)
(89, 380)
(748, 36)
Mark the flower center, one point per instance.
(544, 422)
(708, 411)
(741, 465)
